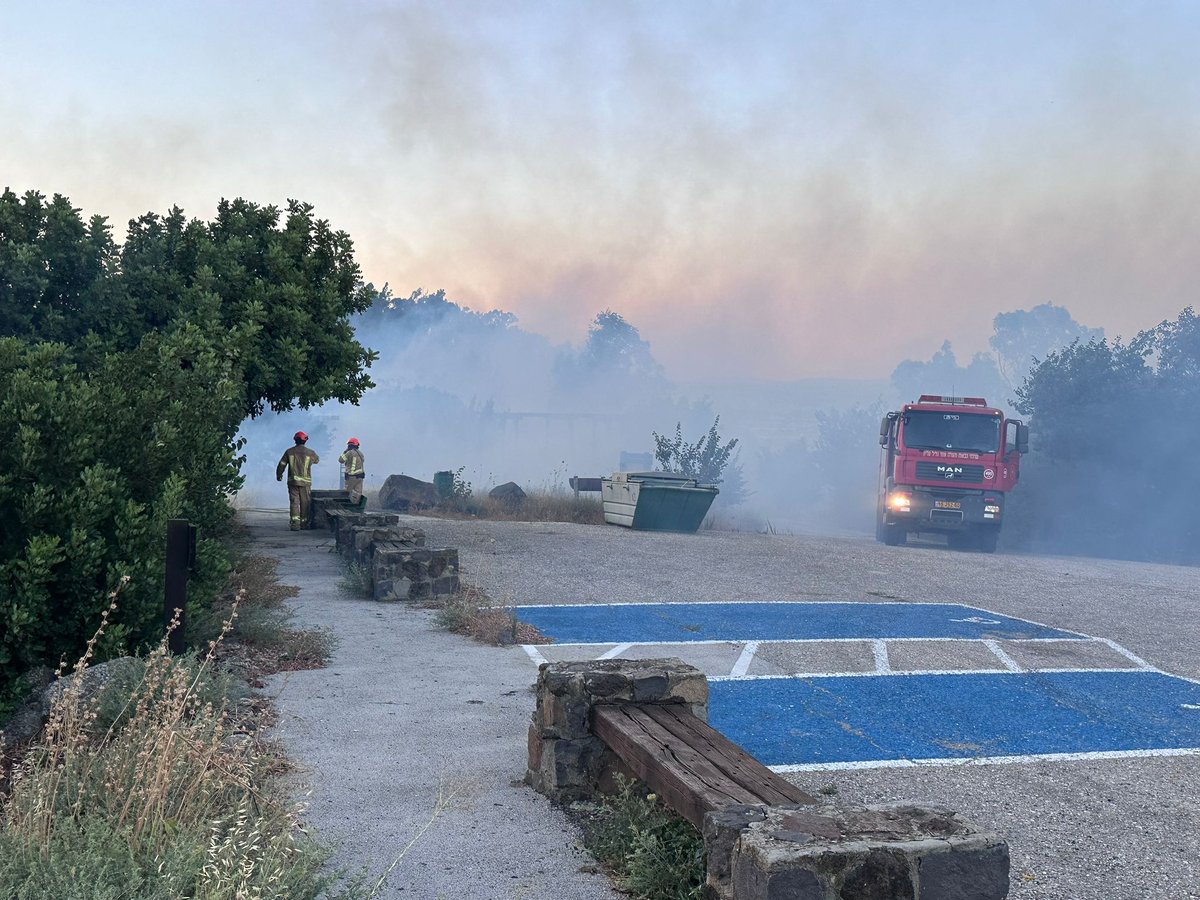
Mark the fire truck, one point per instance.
(946, 467)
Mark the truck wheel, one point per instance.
(986, 539)
(892, 535)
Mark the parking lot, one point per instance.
(1061, 717)
(813, 686)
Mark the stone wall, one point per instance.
(815, 852)
(401, 567)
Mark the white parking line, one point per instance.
(742, 666)
(831, 640)
(615, 651)
(534, 653)
(1008, 661)
(882, 665)
(1132, 657)
(981, 760)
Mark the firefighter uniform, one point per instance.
(298, 461)
(352, 459)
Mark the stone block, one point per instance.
(896, 852)
(964, 874)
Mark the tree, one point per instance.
(942, 374)
(613, 358)
(123, 380)
(1022, 337)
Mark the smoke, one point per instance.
(770, 191)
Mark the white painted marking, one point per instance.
(1027, 621)
(852, 640)
(979, 620)
(535, 654)
(983, 760)
(743, 662)
(1008, 661)
(882, 665)
(1190, 705)
(615, 651)
(1137, 660)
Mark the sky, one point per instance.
(767, 190)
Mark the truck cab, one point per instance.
(946, 467)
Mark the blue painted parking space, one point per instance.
(650, 623)
(814, 722)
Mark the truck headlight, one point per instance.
(900, 501)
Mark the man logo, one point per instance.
(950, 471)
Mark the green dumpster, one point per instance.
(656, 501)
(444, 482)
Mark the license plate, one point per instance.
(948, 504)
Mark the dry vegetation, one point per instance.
(538, 506)
(155, 787)
(473, 613)
(154, 782)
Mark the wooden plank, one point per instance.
(673, 770)
(732, 760)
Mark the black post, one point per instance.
(180, 551)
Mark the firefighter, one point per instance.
(298, 461)
(352, 459)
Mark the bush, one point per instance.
(165, 344)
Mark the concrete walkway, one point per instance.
(406, 718)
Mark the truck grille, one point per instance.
(948, 471)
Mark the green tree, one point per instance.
(123, 380)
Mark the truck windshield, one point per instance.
(951, 431)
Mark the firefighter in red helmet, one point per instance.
(298, 461)
(352, 459)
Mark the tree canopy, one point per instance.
(125, 371)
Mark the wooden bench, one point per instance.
(579, 484)
(693, 767)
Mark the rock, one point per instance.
(403, 492)
(509, 492)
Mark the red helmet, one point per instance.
(353, 442)
(300, 436)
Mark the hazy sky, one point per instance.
(766, 189)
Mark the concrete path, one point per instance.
(406, 717)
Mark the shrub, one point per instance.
(655, 854)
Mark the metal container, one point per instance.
(656, 501)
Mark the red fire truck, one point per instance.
(945, 468)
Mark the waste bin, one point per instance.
(656, 501)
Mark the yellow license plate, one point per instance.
(948, 504)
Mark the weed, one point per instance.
(472, 612)
(654, 853)
(356, 579)
(145, 793)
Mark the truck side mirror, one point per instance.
(883, 431)
(1022, 438)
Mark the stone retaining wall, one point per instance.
(400, 565)
(821, 852)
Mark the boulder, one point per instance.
(402, 492)
(509, 492)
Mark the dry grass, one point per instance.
(263, 641)
(538, 506)
(169, 800)
(473, 613)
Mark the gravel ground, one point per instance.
(1112, 830)
(1108, 830)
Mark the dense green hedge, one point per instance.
(125, 372)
